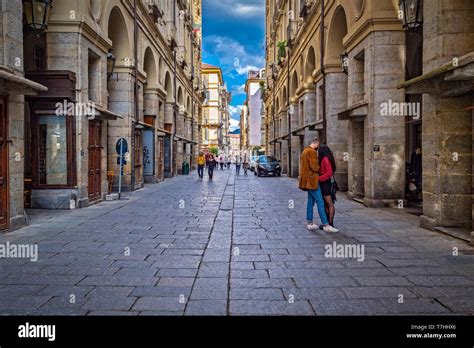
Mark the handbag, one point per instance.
(334, 188)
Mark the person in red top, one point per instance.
(327, 168)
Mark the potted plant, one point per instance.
(281, 50)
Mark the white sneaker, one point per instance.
(330, 229)
(312, 227)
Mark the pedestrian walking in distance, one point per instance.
(211, 165)
(228, 162)
(308, 181)
(221, 162)
(245, 163)
(216, 158)
(201, 163)
(327, 166)
(238, 164)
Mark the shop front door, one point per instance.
(95, 150)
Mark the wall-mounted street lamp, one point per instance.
(411, 14)
(111, 59)
(37, 13)
(345, 62)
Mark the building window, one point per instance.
(52, 150)
(39, 57)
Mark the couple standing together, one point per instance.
(317, 167)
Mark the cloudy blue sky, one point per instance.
(233, 38)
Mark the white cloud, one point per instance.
(234, 124)
(239, 8)
(231, 54)
(238, 90)
(235, 111)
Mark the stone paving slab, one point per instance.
(236, 247)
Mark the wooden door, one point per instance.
(95, 152)
(4, 196)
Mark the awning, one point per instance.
(26, 86)
(451, 79)
(163, 132)
(142, 125)
(104, 114)
(356, 111)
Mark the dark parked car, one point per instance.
(267, 165)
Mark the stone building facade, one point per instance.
(253, 102)
(13, 89)
(334, 73)
(107, 70)
(215, 121)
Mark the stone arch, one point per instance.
(337, 32)
(294, 84)
(118, 34)
(310, 65)
(284, 97)
(301, 69)
(160, 70)
(188, 105)
(149, 66)
(168, 87)
(180, 99)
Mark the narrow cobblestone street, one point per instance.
(233, 246)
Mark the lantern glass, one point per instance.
(412, 13)
(345, 62)
(110, 63)
(37, 13)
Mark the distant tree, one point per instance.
(214, 151)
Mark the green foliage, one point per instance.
(281, 49)
(214, 151)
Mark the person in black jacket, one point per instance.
(211, 164)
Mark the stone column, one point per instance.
(384, 135)
(150, 103)
(181, 148)
(294, 113)
(169, 113)
(447, 122)
(120, 102)
(283, 146)
(309, 113)
(336, 130)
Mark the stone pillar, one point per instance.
(336, 130)
(384, 61)
(295, 139)
(169, 113)
(120, 102)
(447, 162)
(309, 113)
(169, 120)
(150, 103)
(447, 123)
(283, 146)
(181, 148)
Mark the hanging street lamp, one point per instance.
(37, 13)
